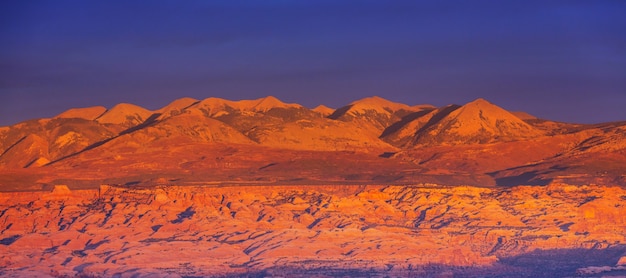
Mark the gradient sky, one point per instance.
(561, 60)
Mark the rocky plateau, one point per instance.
(320, 231)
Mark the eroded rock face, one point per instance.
(312, 230)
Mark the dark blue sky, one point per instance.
(561, 60)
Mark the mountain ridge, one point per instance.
(368, 140)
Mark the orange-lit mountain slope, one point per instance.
(323, 110)
(375, 113)
(125, 114)
(87, 113)
(176, 107)
(477, 122)
(370, 140)
(216, 187)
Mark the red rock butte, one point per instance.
(216, 187)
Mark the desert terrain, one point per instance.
(325, 231)
(258, 188)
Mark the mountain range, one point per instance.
(370, 141)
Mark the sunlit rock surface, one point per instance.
(196, 231)
(372, 140)
(216, 187)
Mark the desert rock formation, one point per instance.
(317, 230)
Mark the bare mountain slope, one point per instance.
(215, 107)
(402, 133)
(49, 140)
(125, 114)
(176, 107)
(375, 113)
(87, 113)
(370, 140)
(189, 128)
(25, 152)
(477, 122)
(319, 134)
(596, 154)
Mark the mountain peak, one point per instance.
(213, 102)
(270, 102)
(217, 106)
(478, 121)
(87, 113)
(377, 104)
(179, 104)
(382, 106)
(323, 109)
(270, 99)
(479, 101)
(125, 113)
(482, 112)
(372, 99)
(176, 107)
